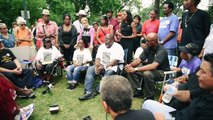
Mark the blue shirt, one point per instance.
(190, 66)
(8, 43)
(169, 24)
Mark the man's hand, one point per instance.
(128, 68)
(19, 69)
(66, 46)
(38, 66)
(16, 71)
(181, 79)
(99, 69)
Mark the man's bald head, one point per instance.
(152, 40)
(152, 36)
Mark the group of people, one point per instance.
(114, 42)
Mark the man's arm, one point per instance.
(168, 37)
(112, 63)
(183, 95)
(18, 65)
(148, 67)
(136, 62)
(4, 70)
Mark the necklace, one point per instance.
(187, 20)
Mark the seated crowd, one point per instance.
(110, 48)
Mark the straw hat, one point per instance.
(81, 12)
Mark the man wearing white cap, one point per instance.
(77, 23)
(46, 28)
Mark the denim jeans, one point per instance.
(90, 77)
(22, 80)
(172, 51)
(74, 72)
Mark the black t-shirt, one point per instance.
(136, 115)
(7, 59)
(86, 35)
(159, 55)
(126, 29)
(196, 29)
(200, 108)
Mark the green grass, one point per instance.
(70, 107)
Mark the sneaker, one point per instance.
(31, 95)
(71, 87)
(25, 112)
(86, 96)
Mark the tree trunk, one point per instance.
(157, 6)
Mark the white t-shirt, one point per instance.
(47, 56)
(82, 56)
(107, 55)
(208, 45)
(78, 25)
(138, 52)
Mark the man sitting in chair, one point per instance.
(107, 58)
(46, 59)
(157, 62)
(11, 68)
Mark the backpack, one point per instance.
(36, 82)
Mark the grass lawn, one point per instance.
(70, 107)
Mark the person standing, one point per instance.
(86, 33)
(168, 29)
(112, 21)
(95, 42)
(137, 20)
(12, 30)
(46, 28)
(152, 24)
(195, 24)
(77, 23)
(67, 36)
(103, 30)
(127, 32)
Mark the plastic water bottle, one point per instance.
(169, 94)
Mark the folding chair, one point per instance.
(173, 61)
(120, 70)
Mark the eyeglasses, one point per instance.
(23, 24)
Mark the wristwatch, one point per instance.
(136, 69)
(161, 42)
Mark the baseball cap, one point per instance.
(46, 39)
(45, 12)
(190, 48)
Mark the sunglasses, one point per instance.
(23, 24)
(4, 28)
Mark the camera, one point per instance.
(87, 118)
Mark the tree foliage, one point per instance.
(11, 9)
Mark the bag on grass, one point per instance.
(36, 82)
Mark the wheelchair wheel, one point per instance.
(59, 71)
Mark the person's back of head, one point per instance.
(116, 94)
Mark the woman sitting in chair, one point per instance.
(189, 63)
(46, 59)
(190, 60)
(81, 59)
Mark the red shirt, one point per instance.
(150, 26)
